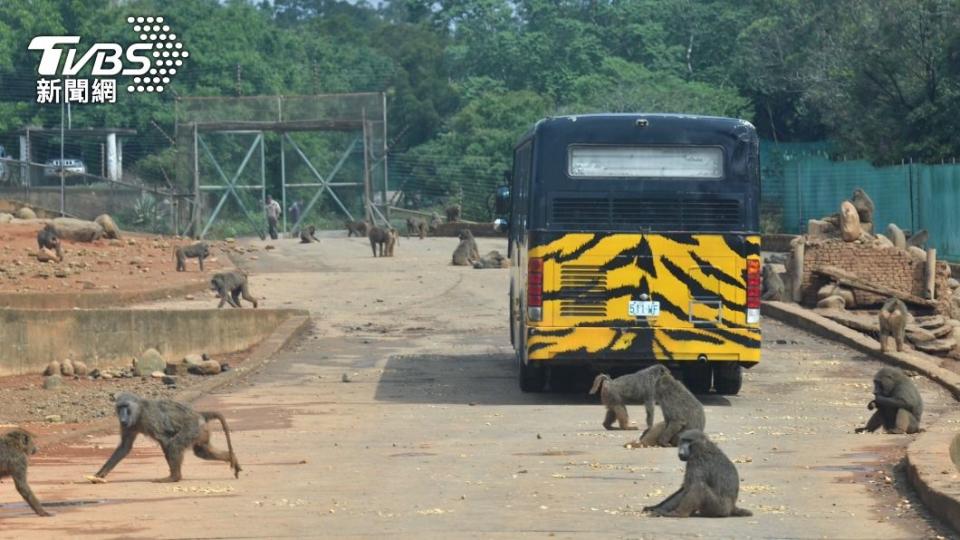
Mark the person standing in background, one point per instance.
(294, 214)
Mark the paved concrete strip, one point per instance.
(930, 470)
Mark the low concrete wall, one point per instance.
(29, 339)
(97, 299)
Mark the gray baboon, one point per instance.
(772, 284)
(199, 251)
(383, 238)
(15, 446)
(175, 426)
(435, 222)
(308, 235)
(492, 259)
(898, 403)
(453, 213)
(864, 205)
(467, 251)
(710, 482)
(636, 387)
(358, 228)
(230, 286)
(919, 239)
(893, 322)
(680, 410)
(110, 229)
(48, 238)
(416, 226)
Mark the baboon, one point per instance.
(416, 226)
(199, 251)
(636, 387)
(772, 284)
(492, 259)
(48, 238)
(453, 213)
(358, 228)
(230, 286)
(435, 222)
(864, 205)
(15, 446)
(680, 409)
(308, 235)
(898, 403)
(711, 483)
(174, 426)
(919, 239)
(893, 322)
(386, 239)
(110, 229)
(467, 251)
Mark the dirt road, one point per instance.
(431, 438)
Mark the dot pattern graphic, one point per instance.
(167, 52)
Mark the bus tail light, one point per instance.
(754, 287)
(535, 289)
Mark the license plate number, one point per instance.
(643, 309)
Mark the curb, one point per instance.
(262, 354)
(930, 469)
(97, 300)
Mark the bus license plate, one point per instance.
(644, 309)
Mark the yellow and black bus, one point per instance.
(634, 239)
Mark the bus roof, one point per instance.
(583, 122)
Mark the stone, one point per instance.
(170, 380)
(80, 368)
(94, 373)
(158, 375)
(937, 346)
(817, 228)
(917, 253)
(850, 229)
(207, 367)
(66, 368)
(930, 322)
(61, 273)
(77, 230)
(943, 332)
(867, 227)
(107, 375)
(110, 229)
(52, 381)
(269, 247)
(151, 360)
(5, 217)
(834, 290)
(919, 335)
(895, 234)
(47, 255)
(882, 242)
(53, 418)
(26, 212)
(953, 283)
(832, 302)
(53, 368)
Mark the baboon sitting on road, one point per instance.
(175, 426)
(48, 238)
(416, 226)
(898, 403)
(711, 484)
(467, 251)
(894, 317)
(230, 286)
(199, 251)
(680, 409)
(308, 235)
(386, 239)
(453, 213)
(864, 205)
(636, 387)
(772, 284)
(492, 259)
(15, 446)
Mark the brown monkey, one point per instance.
(772, 284)
(898, 403)
(453, 213)
(416, 226)
(48, 238)
(199, 251)
(15, 446)
(358, 228)
(386, 239)
(680, 409)
(174, 426)
(230, 286)
(864, 205)
(435, 222)
(467, 251)
(636, 387)
(308, 235)
(492, 259)
(711, 483)
(894, 317)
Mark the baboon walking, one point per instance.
(680, 409)
(48, 238)
(15, 446)
(357, 228)
(897, 401)
(894, 317)
(636, 387)
(199, 251)
(416, 226)
(383, 238)
(174, 426)
(711, 483)
(467, 251)
(230, 286)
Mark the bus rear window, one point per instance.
(645, 162)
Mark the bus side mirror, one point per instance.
(502, 201)
(501, 225)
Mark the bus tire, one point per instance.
(728, 378)
(533, 378)
(698, 377)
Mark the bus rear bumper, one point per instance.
(639, 345)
